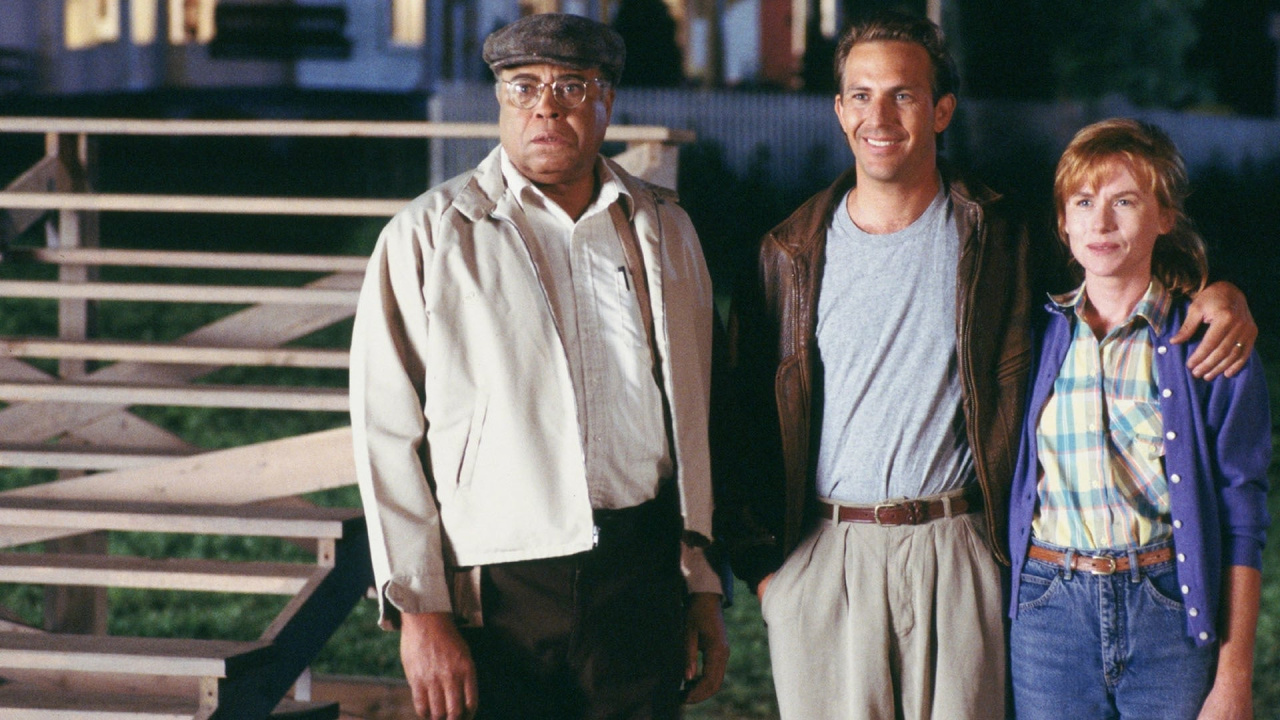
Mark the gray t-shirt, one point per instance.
(891, 418)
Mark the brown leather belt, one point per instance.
(904, 512)
(1099, 564)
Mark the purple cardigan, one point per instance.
(1217, 448)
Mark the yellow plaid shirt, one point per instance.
(1099, 436)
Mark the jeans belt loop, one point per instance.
(1135, 572)
(1068, 563)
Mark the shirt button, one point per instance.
(1166, 393)
(1162, 349)
(1182, 558)
(1171, 435)
(1093, 427)
(1185, 589)
(1177, 524)
(1175, 478)
(1193, 612)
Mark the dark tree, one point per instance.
(1082, 50)
(653, 58)
(1237, 48)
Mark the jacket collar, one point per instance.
(486, 189)
(808, 226)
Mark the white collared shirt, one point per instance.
(624, 436)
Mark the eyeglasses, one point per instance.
(568, 93)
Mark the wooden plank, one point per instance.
(244, 520)
(119, 351)
(46, 175)
(191, 259)
(126, 432)
(654, 163)
(308, 128)
(280, 468)
(229, 205)
(138, 656)
(228, 396)
(83, 458)
(258, 326)
(109, 682)
(289, 709)
(368, 698)
(167, 574)
(155, 292)
(19, 702)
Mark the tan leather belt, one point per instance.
(1099, 564)
(904, 512)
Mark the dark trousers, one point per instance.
(592, 636)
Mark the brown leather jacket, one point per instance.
(768, 437)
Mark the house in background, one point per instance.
(71, 47)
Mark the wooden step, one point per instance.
(139, 656)
(82, 457)
(24, 702)
(282, 397)
(122, 351)
(166, 574)
(256, 520)
(18, 702)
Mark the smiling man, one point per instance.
(530, 382)
(882, 349)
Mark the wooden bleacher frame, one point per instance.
(118, 472)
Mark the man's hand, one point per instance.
(704, 633)
(1228, 340)
(437, 663)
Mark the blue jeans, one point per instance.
(1105, 646)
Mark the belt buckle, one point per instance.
(1111, 563)
(875, 513)
(913, 508)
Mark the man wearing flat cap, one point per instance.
(530, 380)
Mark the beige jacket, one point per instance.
(463, 413)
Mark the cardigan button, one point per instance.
(1177, 524)
(1175, 478)
(1186, 590)
(1166, 393)
(1182, 557)
(1193, 612)
(1204, 635)
(1171, 435)
(1162, 349)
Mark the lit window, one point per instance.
(91, 22)
(142, 21)
(534, 7)
(408, 22)
(191, 21)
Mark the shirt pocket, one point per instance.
(1137, 430)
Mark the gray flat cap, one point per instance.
(557, 38)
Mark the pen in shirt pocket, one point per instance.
(626, 281)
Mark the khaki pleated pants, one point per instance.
(888, 623)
